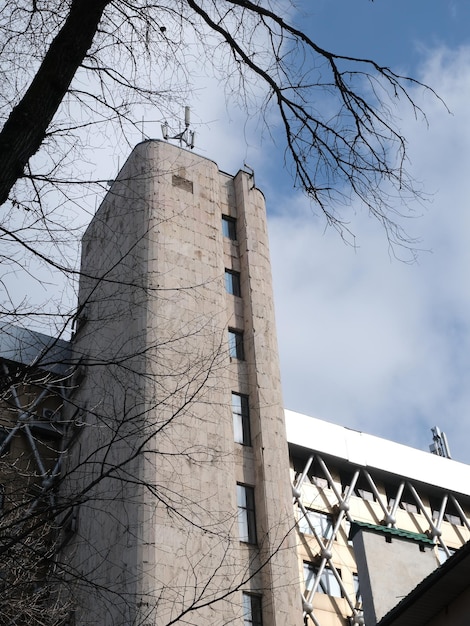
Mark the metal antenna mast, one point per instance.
(439, 445)
(186, 136)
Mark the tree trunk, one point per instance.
(26, 127)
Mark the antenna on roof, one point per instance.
(439, 445)
(186, 136)
(251, 174)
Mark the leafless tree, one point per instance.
(83, 472)
(75, 70)
(124, 442)
(89, 66)
(30, 452)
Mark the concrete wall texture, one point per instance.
(388, 570)
(158, 532)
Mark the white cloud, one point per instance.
(367, 341)
(370, 342)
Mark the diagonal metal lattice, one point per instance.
(24, 418)
(389, 505)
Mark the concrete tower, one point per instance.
(181, 461)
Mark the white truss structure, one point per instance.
(389, 505)
(25, 421)
(35, 374)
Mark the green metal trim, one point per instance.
(385, 530)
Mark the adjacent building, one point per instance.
(179, 497)
(373, 518)
(34, 384)
(441, 598)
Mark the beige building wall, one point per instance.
(322, 474)
(317, 495)
(158, 531)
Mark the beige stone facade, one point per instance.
(170, 486)
(176, 333)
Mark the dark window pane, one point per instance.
(235, 344)
(252, 610)
(241, 419)
(246, 513)
(232, 282)
(229, 227)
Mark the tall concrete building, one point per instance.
(156, 446)
(183, 427)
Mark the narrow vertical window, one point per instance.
(232, 282)
(309, 575)
(229, 227)
(246, 513)
(357, 590)
(235, 344)
(241, 419)
(252, 610)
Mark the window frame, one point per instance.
(407, 502)
(441, 553)
(451, 513)
(246, 513)
(313, 475)
(362, 489)
(233, 283)
(252, 609)
(236, 347)
(241, 419)
(229, 227)
(322, 522)
(357, 590)
(327, 580)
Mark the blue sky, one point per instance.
(394, 32)
(367, 341)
